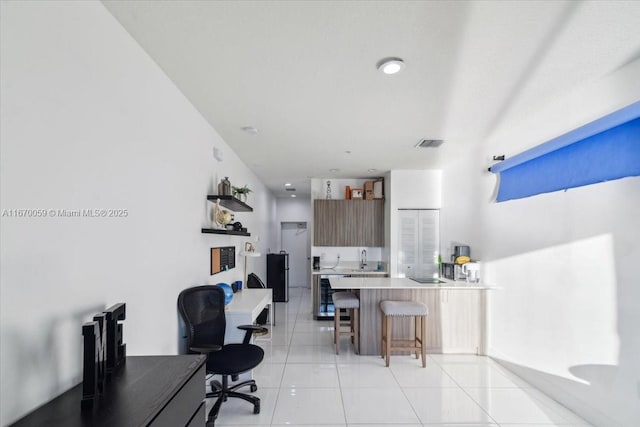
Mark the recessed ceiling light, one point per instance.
(390, 65)
(333, 170)
(252, 130)
(293, 195)
(372, 170)
(288, 184)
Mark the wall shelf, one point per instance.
(231, 232)
(230, 202)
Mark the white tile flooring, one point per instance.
(301, 382)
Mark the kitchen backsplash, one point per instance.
(329, 254)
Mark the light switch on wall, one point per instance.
(217, 154)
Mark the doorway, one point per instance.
(296, 242)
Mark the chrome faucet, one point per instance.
(363, 259)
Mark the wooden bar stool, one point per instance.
(350, 302)
(419, 311)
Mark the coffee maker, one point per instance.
(316, 263)
(459, 251)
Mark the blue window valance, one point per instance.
(603, 150)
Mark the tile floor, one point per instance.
(301, 382)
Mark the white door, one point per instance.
(419, 242)
(295, 241)
(408, 244)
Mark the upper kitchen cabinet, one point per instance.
(348, 222)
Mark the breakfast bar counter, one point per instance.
(457, 312)
(400, 283)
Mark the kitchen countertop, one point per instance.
(400, 283)
(347, 270)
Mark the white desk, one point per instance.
(243, 309)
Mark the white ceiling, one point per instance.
(304, 73)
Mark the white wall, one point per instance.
(289, 209)
(566, 312)
(350, 254)
(298, 210)
(90, 122)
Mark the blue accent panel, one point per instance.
(609, 155)
(612, 120)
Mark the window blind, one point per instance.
(603, 150)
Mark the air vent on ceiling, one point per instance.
(289, 189)
(424, 143)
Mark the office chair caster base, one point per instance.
(253, 388)
(256, 408)
(216, 386)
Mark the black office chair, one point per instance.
(202, 309)
(253, 281)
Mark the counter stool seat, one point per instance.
(347, 301)
(403, 308)
(419, 311)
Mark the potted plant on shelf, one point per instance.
(241, 192)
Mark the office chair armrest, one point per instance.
(206, 349)
(250, 330)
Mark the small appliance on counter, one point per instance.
(471, 270)
(461, 267)
(452, 271)
(460, 251)
(316, 263)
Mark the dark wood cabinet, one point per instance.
(348, 223)
(327, 216)
(155, 391)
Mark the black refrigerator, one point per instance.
(278, 276)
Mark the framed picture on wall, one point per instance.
(356, 193)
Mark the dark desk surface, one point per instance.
(134, 397)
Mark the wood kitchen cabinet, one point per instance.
(455, 324)
(457, 321)
(348, 222)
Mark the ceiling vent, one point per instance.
(424, 143)
(289, 189)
